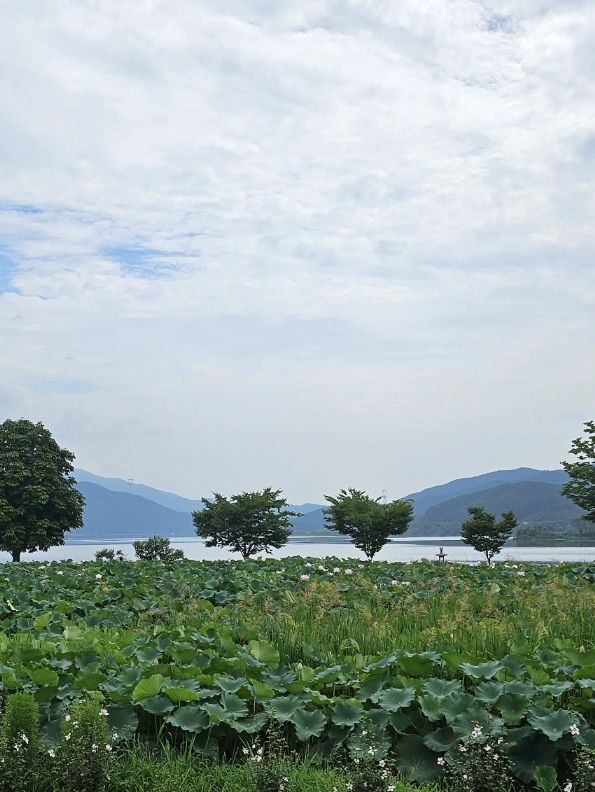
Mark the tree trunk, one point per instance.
(16, 555)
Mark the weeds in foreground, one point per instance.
(18, 743)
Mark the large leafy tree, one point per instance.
(38, 500)
(484, 534)
(580, 487)
(249, 523)
(366, 520)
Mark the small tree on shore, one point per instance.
(484, 534)
(580, 486)
(368, 522)
(38, 499)
(249, 523)
(157, 548)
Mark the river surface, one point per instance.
(401, 549)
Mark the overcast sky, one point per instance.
(308, 244)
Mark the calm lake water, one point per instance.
(401, 549)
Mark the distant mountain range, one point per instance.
(118, 509)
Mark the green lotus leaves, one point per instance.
(553, 723)
(528, 750)
(43, 676)
(229, 684)
(415, 761)
(440, 688)
(178, 694)
(284, 708)
(482, 670)
(346, 713)
(441, 740)
(546, 778)
(189, 718)
(157, 705)
(123, 721)
(308, 723)
(149, 687)
(202, 647)
(489, 692)
(264, 652)
(513, 707)
(393, 699)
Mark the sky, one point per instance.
(307, 245)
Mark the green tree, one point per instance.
(366, 520)
(486, 535)
(249, 523)
(157, 548)
(580, 487)
(38, 499)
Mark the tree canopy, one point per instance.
(38, 499)
(484, 534)
(248, 523)
(157, 548)
(368, 522)
(580, 487)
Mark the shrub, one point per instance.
(83, 757)
(156, 548)
(478, 765)
(109, 554)
(18, 743)
(584, 776)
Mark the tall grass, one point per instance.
(140, 770)
(486, 623)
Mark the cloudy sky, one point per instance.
(308, 244)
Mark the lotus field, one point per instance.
(335, 654)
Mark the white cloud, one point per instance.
(312, 244)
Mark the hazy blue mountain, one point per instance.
(428, 497)
(118, 513)
(168, 499)
(116, 509)
(115, 515)
(533, 502)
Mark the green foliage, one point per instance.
(486, 535)
(38, 500)
(109, 554)
(249, 523)
(370, 773)
(580, 488)
(336, 653)
(368, 522)
(18, 743)
(185, 771)
(157, 548)
(584, 773)
(478, 764)
(83, 756)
